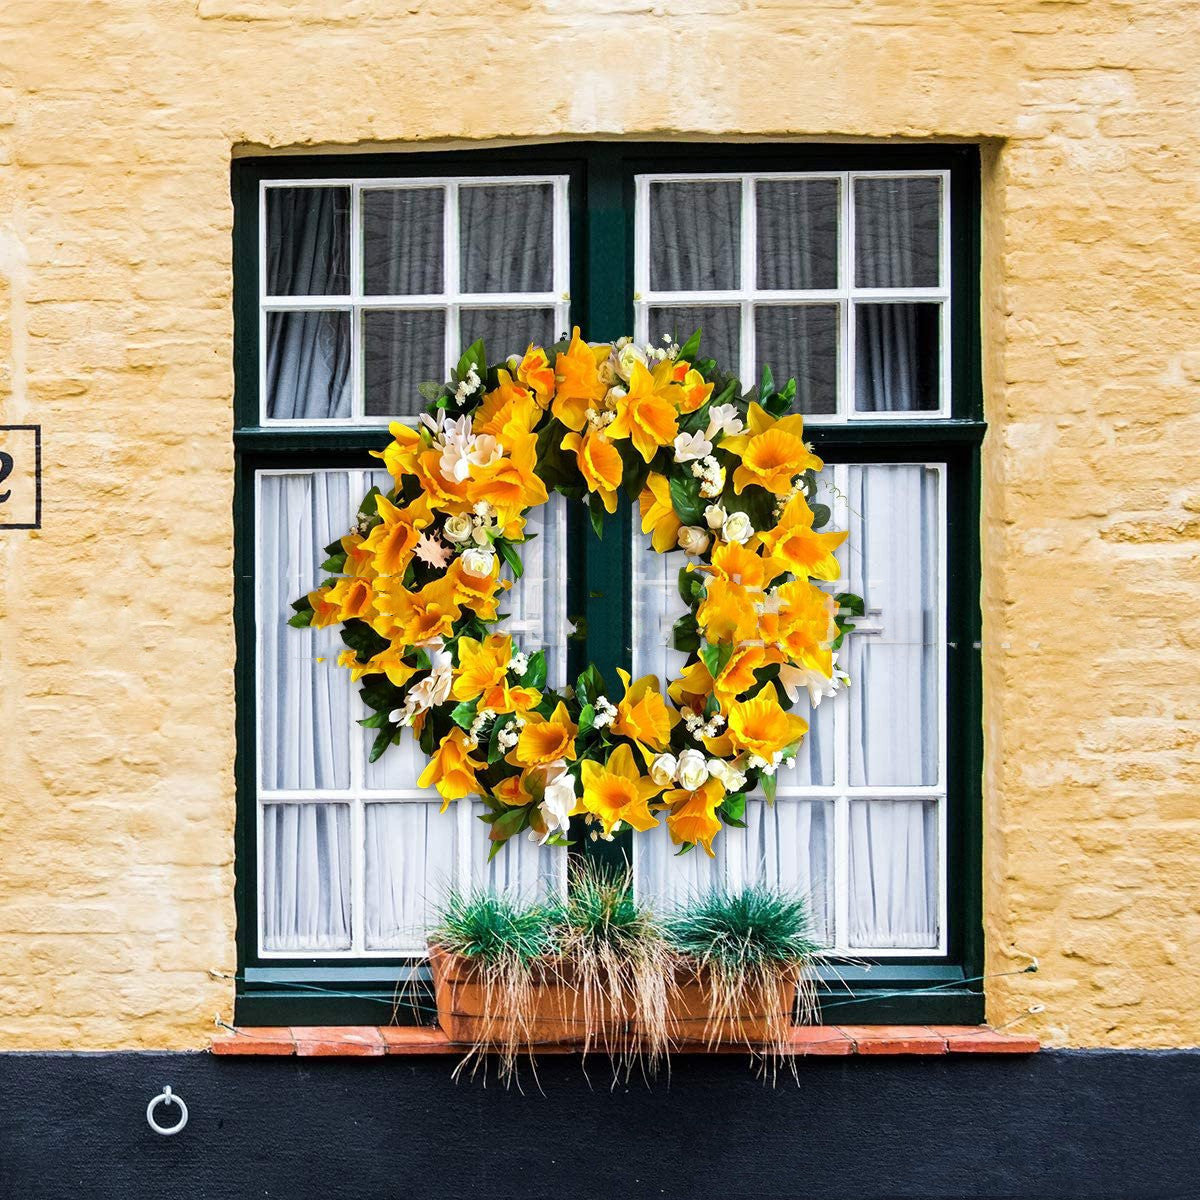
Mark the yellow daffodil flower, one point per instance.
(726, 614)
(737, 676)
(643, 715)
(392, 541)
(536, 373)
(773, 452)
(355, 599)
(512, 791)
(647, 412)
(325, 611)
(695, 392)
(510, 406)
(692, 688)
(617, 791)
(400, 454)
(742, 565)
(414, 618)
(510, 484)
(599, 463)
(452, 770)
(360, 562)
(759, 726)
(693, 815)
(545, 739)
(658, 513)
(477, 594)
(389, 662)
(578, 383)
(482, 666)
(798, 547)
(448, 495)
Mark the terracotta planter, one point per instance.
(690, 1011)
(556, 1017)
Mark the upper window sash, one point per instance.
(749, 298)
(451, 298)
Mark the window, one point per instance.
(855, 269)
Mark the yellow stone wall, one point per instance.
(118, 120)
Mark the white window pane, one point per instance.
(897, 232)
(521, 868)
(797, 234)
(788, 847)
(409, 863)
(304, 710)
(507, 238)
(814, 759)
(695, 236)
(308, 365)
(800, 342)
(403, 241)
(508, 331)
(893, 874)
(308, 241)
(402, 348)
(897, 360)
(537, 603)
(720, 326)
(893, 659)
(306, 877)
(656, 607)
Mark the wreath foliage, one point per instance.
(722, 474)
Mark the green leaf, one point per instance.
(685, 634)
(463, 714)
(510, 821)
(685, 498)
(733, 807)
(381, 695)
(767, 383)
(430, 391)
(377, 720)
(535, 673)
(821, 514)
(684, 849)
(691, 587)
(851, 603)
(597, 512)
(769, 784)
(691, 347)
(383, 739)
(587, 718)
(302, 619)
(715, 657)
(474, 353)
(509, 551)
(302, 604)
(360, 637)
(334, 563)
(590, 685)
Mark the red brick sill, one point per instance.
(372, 1041)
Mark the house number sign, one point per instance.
(20, 476)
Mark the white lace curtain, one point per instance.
(359, 866)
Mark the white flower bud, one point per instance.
(692, 770)
(693, 540)
(737, 528)
(714, 516)
(662, 769)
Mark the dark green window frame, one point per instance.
(918, 989)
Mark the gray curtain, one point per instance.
(695, 236)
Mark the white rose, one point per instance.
(478, 563)
(557, 802)
(693, 771)
(662, 769)
(737, 528)
(714, 516)
(692, 540)
(458, 528)
(627, 357)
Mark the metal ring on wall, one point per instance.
(166, 1096)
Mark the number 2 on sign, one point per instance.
(6, 468)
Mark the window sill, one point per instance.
(371, 1041)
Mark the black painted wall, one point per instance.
(1057, 1126)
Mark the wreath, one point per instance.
(721, 475)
